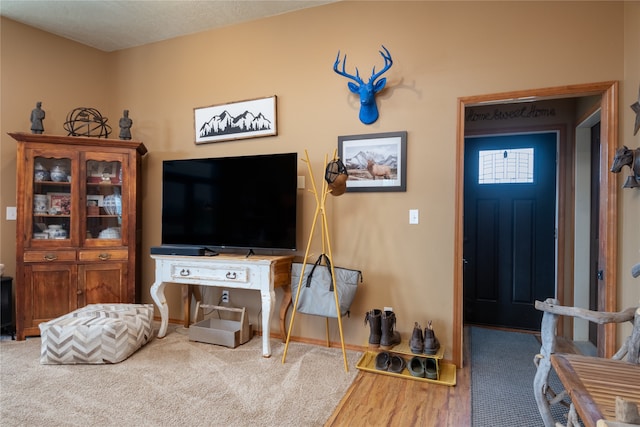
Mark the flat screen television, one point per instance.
(244, 202)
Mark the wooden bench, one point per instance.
(593, 392)
(597, 385)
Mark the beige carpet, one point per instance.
(173, 381)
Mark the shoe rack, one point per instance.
(446, 371)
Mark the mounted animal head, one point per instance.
(367, 91)
(627, 157)
(622, 157)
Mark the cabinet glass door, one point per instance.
(52, 201)
(104, 201)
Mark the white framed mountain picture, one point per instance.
(237, 120)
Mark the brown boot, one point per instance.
(373, 318)
(431, 343)
(390, 337)
(416, 344)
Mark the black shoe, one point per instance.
(397, 364)
(383, 360)
(416, 367)
(417, 343)
(431, 368)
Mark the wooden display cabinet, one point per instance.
(78, 229)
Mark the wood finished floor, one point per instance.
(381, 400)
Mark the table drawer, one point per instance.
(103, 255)
(49, 256)
(234, 274)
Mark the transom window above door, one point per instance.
(507, 166)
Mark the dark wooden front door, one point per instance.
(509, 228)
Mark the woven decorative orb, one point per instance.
(87, 122)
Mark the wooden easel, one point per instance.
(326, 249)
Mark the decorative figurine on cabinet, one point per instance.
(125, 126)
(37, 116)
(367, 91)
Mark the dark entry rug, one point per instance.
(502, 373)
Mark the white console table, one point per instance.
(259, 272)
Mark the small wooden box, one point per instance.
(229, 333)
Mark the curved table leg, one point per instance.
(157, 293)
(268, 297)
(284, 307)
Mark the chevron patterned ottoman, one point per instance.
(96, 333)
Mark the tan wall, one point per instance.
(441, 50)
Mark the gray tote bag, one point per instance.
(317, 296)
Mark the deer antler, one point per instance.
(355, 78)
(388, 62)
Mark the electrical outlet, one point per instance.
(225, 296)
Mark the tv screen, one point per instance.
(231, 202)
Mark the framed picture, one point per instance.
(237, 120)
(375, 162)
(95, 200)
(98, 171)
(59, 203)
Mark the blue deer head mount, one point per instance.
(367, 91)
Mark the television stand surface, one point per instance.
(258, 272)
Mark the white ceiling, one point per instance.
(113, 25)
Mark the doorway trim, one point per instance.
(608, 197)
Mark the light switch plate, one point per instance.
(414, 216)
(12, 213)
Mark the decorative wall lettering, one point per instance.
(527, 111)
